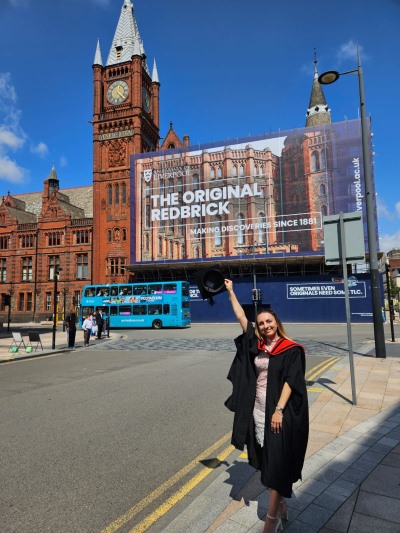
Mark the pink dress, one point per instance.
(261, 362)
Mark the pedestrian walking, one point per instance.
(94, 327)
(269, 399)
(87, 328)
(70, 323)
(100, 322)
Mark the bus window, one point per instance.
(113, 310)
(102, 291)
(185, 289)
(90, 291)
(155, 309)
(86, 311)
(155, 289)
(125, 291)
(114, 291)
(139, 310)
(166, 309)
(125, 310)
(169, 288)
(140, 289)
(104, 308)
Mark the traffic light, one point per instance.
(256, 295)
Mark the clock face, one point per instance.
(146, 99)
(117, 92)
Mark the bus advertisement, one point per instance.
(139, 305)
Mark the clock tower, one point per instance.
(125, 122)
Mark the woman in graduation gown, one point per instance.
(269, 399)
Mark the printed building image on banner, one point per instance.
(253, 197)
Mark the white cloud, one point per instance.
(63, 161)
(10, 171)
(8, 139)
(40, 149)
(389, 242)
(349, 51)
(384, 211)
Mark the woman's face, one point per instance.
(267, 325)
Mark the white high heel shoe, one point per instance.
(278, 523)
(285, 514)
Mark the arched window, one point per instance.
(323, 160)
(196, 182)
(123, 193)
(171, 249)
(217, 231)
(109, 194)
(179, 184)
(234, 171)
(219, 172)
(240, 231)
(255, 170)
(197, 252)
(241, 170)
(324, 210)
(109, 235)
(147, 222)
(147, 242)
(124, 234)
(196, 223)
(322, 189)
(116, 190)
(212, 173)
(171, 185)
(147, 190)
(160, 245)
(315, 161)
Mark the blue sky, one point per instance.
(227, 69)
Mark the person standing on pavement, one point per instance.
(100, 323)
(87, 329)
(269, 399)
(70, 322)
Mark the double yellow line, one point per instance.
(147, 522)
(318, 370)
(175, 498)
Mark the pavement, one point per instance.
(351, 475)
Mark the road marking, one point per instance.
(318, 369)
(181, 493)
(137, 508)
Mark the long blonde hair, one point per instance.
(280, 330)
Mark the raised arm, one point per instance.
(237, 308)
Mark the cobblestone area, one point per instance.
(220, 345)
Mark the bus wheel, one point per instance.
(157, 324)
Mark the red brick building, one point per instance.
(41, 234)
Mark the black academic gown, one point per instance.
(282, 456)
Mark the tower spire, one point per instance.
(97, 56)
(127, 41)
(318, 112)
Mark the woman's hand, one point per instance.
(276, 421)
(228, 284)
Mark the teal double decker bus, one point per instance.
(139, 305)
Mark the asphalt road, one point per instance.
(86, 435)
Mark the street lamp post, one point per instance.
(55, 279)
(325, 79)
